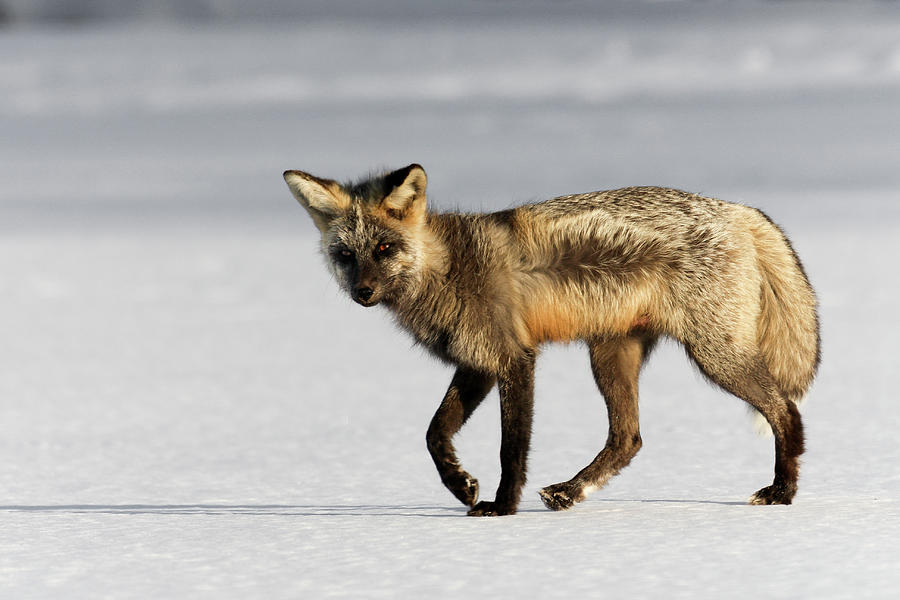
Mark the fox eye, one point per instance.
(343, 255)
(384, 250)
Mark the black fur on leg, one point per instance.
(467, 390)
(516, 408)
(789, 445)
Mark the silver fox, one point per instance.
(616, 269)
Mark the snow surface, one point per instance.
(190, 408)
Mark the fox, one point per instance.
(616, 270)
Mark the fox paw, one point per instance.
(464, 487)
(774, 494)
(491, 509)
(560, 496)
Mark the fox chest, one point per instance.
(466, 339)
(438, 342)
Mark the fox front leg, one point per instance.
(516, 409)
(467, 389)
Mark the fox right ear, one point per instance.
(322, 198)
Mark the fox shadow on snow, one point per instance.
(306, 510)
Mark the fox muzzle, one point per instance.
(365, 296)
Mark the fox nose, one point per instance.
(364, 293)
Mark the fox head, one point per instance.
(374, 231)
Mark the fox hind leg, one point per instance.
(467, 390)
(616, 365)
(751, 381)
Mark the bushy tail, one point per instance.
(788, 332)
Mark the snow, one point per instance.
(190, 408)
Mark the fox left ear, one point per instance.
(405, 192)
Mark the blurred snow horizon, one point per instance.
(189, 407)
(729, 102)
(75, 12)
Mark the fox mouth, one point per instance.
(366, 303)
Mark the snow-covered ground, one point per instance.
(189, 407)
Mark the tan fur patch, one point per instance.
(551, 323)
(566, 319)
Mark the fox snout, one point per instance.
(365, 295)
(366, 290)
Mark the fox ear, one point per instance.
(322, 198)
(405, 192)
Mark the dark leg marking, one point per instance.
(467, 389)
(516, 410)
